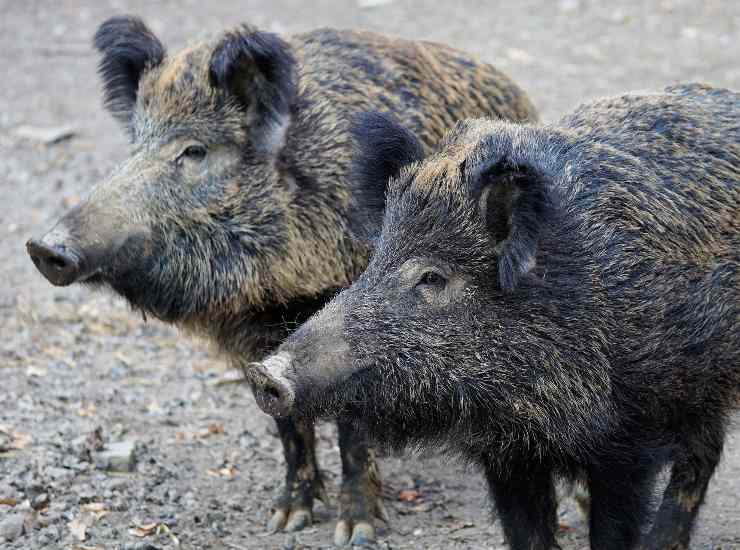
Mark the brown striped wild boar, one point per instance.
(550, 302)
(234, 217)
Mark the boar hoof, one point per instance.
(293, 510)
(298, 519)
(289, 520)
(359, 530)
(361, 533)
(277, 520)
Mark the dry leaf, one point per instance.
(18, 440)
(228, 472)
(87, 411)
(97, 509)
(143, 530)
(460, 524)
(231, 376)
(213, 428)
(78, 527)
(409, 495)
(8, 501)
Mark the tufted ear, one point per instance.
(382, 148)
(515, 203)
(258, 70)
(128, 48)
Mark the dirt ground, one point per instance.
(207, 462)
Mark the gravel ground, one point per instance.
(81, 373)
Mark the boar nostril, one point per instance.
(273, 395)
(58, 264)
(273, 392)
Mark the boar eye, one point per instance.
(432, 279)
(194, 152)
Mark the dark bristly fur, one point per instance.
(128, 48)
(233, 215)
(259, 69)
(550, 302)
(382, 149)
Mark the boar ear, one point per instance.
(128, 47)
(515, 203)
(382, 148)
(258, 69)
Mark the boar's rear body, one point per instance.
(551, 301)
(235, 217)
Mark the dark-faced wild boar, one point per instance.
(232, 217)
(549, 302)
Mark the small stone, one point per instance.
(12, 527)
(59, 474)
(48, 536)
(118, 485)
(40, 501)
(247, 440)
(5, 441)
(117, 457)
(139, 546)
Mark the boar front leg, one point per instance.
(293, 508)
(620, 496)
(360, 500)
(526, 504)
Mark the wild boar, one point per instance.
(234, 217)
(549, 302)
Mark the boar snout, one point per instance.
(273, 391)
(89, 240)
(58, 258)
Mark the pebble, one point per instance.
(139, 546)
(11, 527)
(117, 457)
(48, 535)
(40, 501)
(59, 474)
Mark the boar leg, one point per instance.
(619, 504)
(690, 477)
(293, 508)
(360, 500)
(526, 504)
